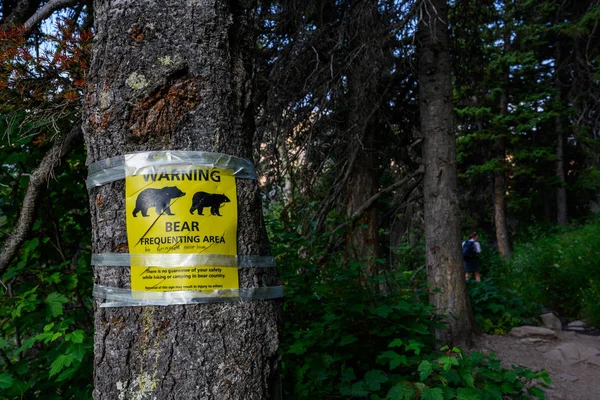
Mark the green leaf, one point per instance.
(348, 375)
(6, 380)
(496, 307)
(396, 362)
(382, 311)
(396, 343)
(536, 392)
(401, 391)
(297, 348)
(355, 390)
(425, 369)
(395, 359)
(62, 361)
(432, 394)
(348, 339)
(75, 336)
(447, 362)
(467, 378)
(492, 392)
(467, 394)
(375, 378)
(415, 346)
(507, 387)
(55, 302)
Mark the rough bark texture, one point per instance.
(442, 230)
(176, 75)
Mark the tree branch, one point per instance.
(45, 11)
(388, 189)
(41, 175)
(376, 196)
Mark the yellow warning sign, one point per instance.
(182, 209)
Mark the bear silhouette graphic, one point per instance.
(158, 198)
(203, 199)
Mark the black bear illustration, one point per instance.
(159, 198)
(203, 199)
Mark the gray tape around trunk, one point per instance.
(118, 297)
(116, 168)
(180, 260)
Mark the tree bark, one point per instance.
(362, 237)
(500, 173)
(561, 192)
(442, 230)
(364, 82)
(177, 75)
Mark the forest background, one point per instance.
(338, 149)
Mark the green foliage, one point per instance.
(591, 303)
(346, 337)
(46, 337)
(518, 87)
(498, 306)
(561, 270)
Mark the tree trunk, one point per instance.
(500, 172)
(500, 209)
(176, 75)
(561, 192)
(364, 82)
(442, 230)
(362, 236)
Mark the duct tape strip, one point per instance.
(124, 297)
(116, 168)
(180, 260)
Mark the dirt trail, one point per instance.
(572, 379)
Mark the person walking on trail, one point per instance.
(470, 251)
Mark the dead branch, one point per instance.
(361, 210)
(40, 176)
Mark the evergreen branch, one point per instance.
(40, 176)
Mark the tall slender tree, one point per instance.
(442, 222)
(173, 75)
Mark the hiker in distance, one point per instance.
(470, 251)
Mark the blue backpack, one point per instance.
(468, 250)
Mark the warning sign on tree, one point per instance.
(182, 209)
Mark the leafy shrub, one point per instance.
(591, 303)
(558, 269)
(344, 337)
(46, 338)
(449, 374)
(498, 307)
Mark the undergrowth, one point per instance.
(346, 338)
(561, 270)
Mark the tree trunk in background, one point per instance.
(362, 239)
(176, 75)
(442, 223)
(561, 192)
(366, 70)
(500, 172)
